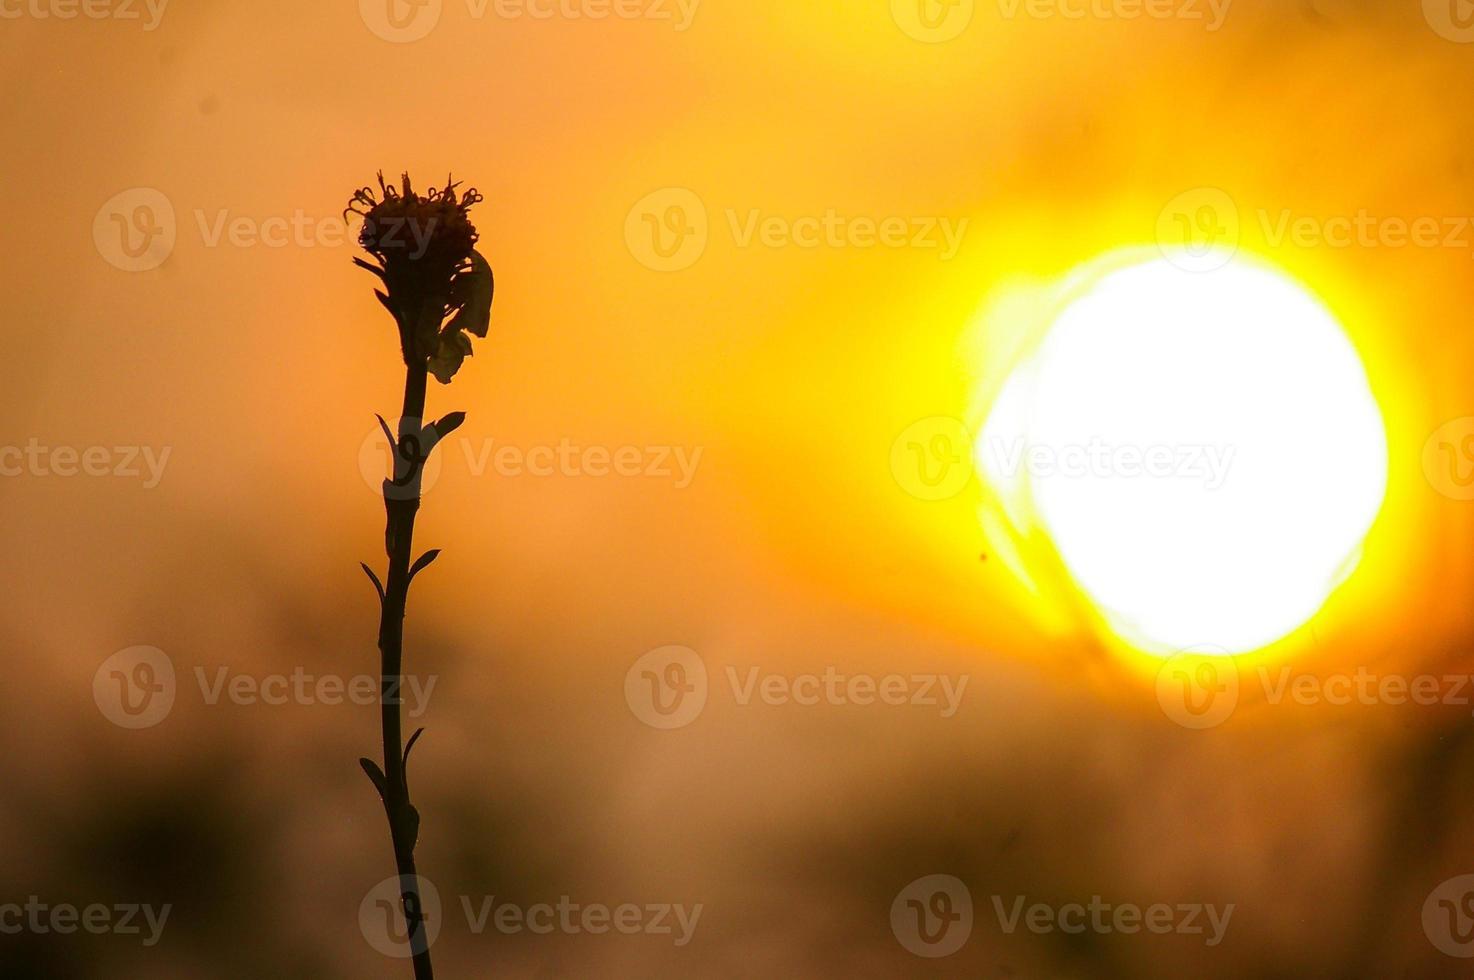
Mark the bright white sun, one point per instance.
(1202, 448)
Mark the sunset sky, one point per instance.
(873, 210)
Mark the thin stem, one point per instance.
(401, 501)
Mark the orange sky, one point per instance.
(790, 370)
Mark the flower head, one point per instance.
(427, 259)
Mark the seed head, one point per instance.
(427, 259)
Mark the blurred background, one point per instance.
(178, 296)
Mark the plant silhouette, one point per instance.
(438, 289)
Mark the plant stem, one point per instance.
(401, 501)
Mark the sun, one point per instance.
(1202, 448)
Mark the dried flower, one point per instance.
(437, 286)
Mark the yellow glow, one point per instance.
(1199, 442)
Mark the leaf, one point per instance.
(412, 740)
(388, 434)
(475, 315)
(447, 425)
(436, 432)
(454, 348)
(369, 266)
(376, 776)
(378, 586)
(423, 562)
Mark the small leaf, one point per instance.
(475, 315)
(375, 775)
(447, 425)
(435, 432)
(454, 348)
(378, 586)
(439, 431)
(369, 266)
(388, 433)
(423, 562)
(411, 744)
